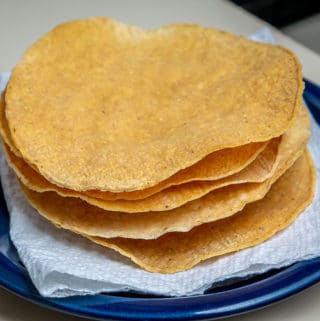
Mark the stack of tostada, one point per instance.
(170, 146)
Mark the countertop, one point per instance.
(22, 22)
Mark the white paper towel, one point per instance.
(61, 263)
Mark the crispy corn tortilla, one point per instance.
(257, 222)
(215, 166)
(258, 171)
(121, 108)
(4, 129)
(80, 217)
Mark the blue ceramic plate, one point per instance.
(239, 296)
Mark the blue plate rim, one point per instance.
(222, 303)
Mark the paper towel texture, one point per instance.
(61, 263)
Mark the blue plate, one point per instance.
(239, 296)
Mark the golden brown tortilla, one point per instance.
(256, 223)
(120, 108)
(4, 129)
(258, 171)
(215, 166)
(76, 215)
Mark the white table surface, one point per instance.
(22, 22)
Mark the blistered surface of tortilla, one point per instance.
(97, 104)
(257, 222)
(80, 217)
(215, 166)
